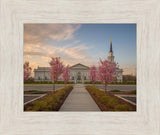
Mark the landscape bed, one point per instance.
(109, 102)
(51, 102)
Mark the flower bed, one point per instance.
(51, 102)
(108, 102)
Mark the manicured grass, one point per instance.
(115, 91)
(35, 92)
(108, 102)
(133, 91)
(51, 102)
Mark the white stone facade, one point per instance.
(78, 73)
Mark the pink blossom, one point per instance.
(107, 72)
(92, 74)
(27, 70)
(66, 74)
(56, 68)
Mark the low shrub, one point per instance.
(107, 102)
(51, 102)
(124, 82)
(35, 92)
(115, 91)
(123, 108)
(104, 99)
(133, 91)
(112, 102)
(89, 82)
(40, 106)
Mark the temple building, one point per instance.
(78, 72)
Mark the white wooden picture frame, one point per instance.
(14, 121)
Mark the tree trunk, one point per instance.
(54, 87)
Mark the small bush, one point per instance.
(123, 108)
(40, 106)
(104, 99)
(115, 91)
(112, 102)
(133, 91)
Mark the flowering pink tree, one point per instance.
(93, 74)
(107, 72)
(66, 74)
(27, 70)
(56, 69)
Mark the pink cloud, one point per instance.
(40, 33)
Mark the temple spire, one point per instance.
(111, 45)
(110, 56)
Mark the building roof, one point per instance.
(43, 69)
(79, 64)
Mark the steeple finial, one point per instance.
(111, 45)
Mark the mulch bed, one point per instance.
(50, 92)
(103, 107)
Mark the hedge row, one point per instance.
(123, 83)
(108, 102)
(51, 102)
(43, 82)
(111, 83)
(97, 82)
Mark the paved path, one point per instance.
(45, 87)
(79, 100)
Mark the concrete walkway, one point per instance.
(79, 100)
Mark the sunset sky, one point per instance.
(80, 43)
